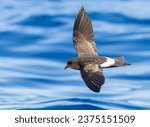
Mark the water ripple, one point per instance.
(36, 42)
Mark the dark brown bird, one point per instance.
(88, 61)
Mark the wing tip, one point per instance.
(81, 9)
(96, 90)
(97, 80)
(94, 85)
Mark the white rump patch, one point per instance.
(108, 63)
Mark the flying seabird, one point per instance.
(89, 62)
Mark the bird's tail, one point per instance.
(119, 61)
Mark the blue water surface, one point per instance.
(36, 42)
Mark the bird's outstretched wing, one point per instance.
(83, 37)
(93, 77)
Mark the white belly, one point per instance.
(108, 63)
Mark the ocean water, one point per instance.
(36, 42)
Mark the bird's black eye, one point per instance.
(69, 62)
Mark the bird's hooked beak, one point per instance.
(66, 67)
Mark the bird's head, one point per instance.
(73, 64)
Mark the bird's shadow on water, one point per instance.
(81, 104)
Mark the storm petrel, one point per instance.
(89, 62)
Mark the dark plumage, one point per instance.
(88, 62)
